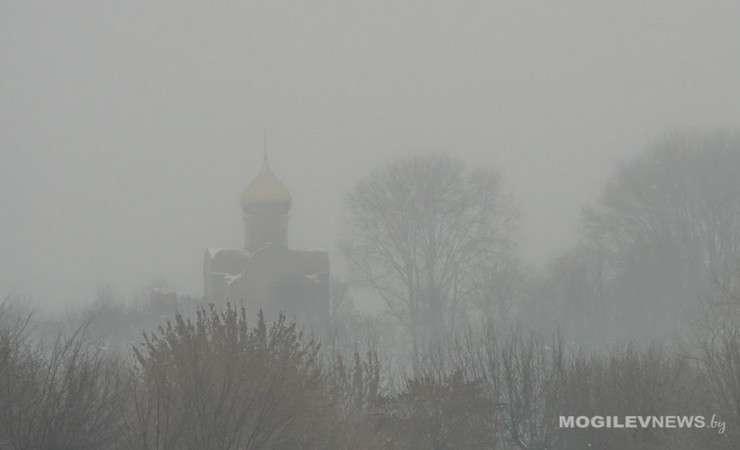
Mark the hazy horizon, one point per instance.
(128, 129)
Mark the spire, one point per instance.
(265, 160)
(265, 188)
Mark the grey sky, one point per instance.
(128, 128)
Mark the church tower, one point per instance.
(265, 209)
(266, 273)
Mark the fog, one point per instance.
(128, 129)
(368, 225)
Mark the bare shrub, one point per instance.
(720, 364)
(441, 411)
(66, 396)
(218, 383)
(355, 389)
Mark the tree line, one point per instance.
(220, 381)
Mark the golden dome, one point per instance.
(266, 188)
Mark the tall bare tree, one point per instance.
(664, 234)
(424, 232)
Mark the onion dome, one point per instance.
(265, 190)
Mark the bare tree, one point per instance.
(664, 234)
(424, 232)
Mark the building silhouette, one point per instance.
(266, 273)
